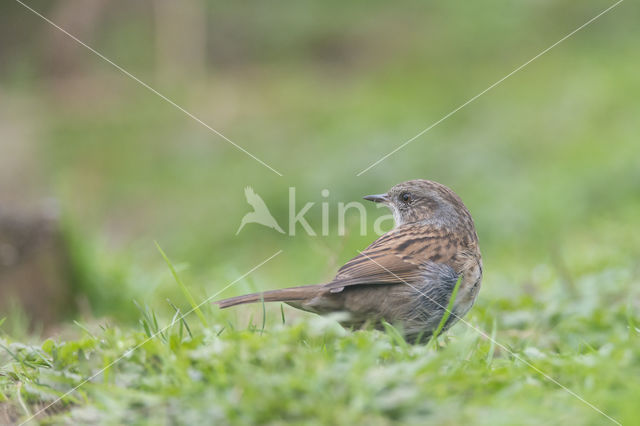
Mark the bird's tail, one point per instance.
(291, 294)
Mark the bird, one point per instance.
(406, 276)
(260, 213)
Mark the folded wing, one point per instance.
(406, 254)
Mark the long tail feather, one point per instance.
(284, 295)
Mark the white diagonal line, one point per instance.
(490, 87)
(133, 77)
(483, 334)
(130, 351)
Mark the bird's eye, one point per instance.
(405, 197)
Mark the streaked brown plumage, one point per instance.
(406, 276)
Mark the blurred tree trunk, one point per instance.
(33, 258)
(63, 56)
(34, 268)
(181, 35)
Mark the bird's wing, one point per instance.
(255, 200)
(406, 254)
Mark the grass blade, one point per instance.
(183, 287)
(264, 316)
(395, 335)
(85, 329)
(492, 348)
(182, 320)
(446, 314)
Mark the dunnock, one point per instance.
(406, 276)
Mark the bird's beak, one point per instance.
(377, 198)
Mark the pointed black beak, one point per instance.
(377, 198)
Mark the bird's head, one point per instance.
(424, 201)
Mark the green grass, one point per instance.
(309, 370)
(547, 162)
(183, 288)
(447, 312)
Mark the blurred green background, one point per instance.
(94, 168)
(547, 162)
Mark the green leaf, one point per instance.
(48, 346)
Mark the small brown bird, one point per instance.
(406, 276)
